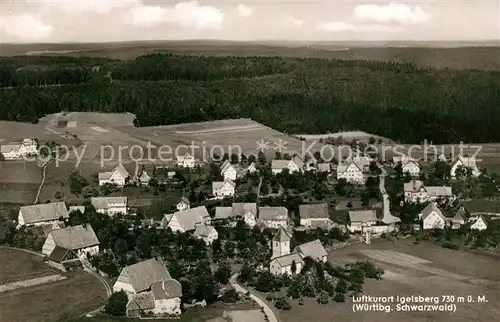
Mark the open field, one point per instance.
(18, 265)
(17, 131)
(478, 55)
(18, 193)
(425, 269)
(58, 301)
(20, 172)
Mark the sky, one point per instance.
(327, 20)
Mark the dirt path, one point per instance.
(44, 168)
(31, 282)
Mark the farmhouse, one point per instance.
(313, 249)
(273, 217)
(183, 204)
(314, 215)
(475, 208)
(282, 260)
(239, 210)
(293, 165)
(252, 168)
(363, 162)
(311, 164)
(478, 223)
(118, 176)
(73, 241)
(224, 188)
(351, 172)
(110, 205)
(186, 220)
(186, 161)
(408, 165)
(362, 219)
(19, 150)
(41, 214)
(150, 289)
(207, 233)
(228, 171)
(465, 162)
(415, 191)
(432, 217)
(144, 178)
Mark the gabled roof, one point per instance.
(188, 219)
(216, 185)
(144, 274)
(75, 237)
(480, 218)
(44, 212)
(439, 191)
(241, 208)
(430, 208)
(308, 211)
(119, 168)
(107, 202)
(360, 161)
(165, 290)
(203, 230)
(58, 254)
(298, 161)
(313, 249)
(413, 186)
(223, 212)
(273, 213)
(287, 260)
(185, 156)
(225, 166)
(469, 162)
(342, 167)
(482, 206)
(184, 200)
(10, 147)
(282, 236)
(460, 215)
(362, 216)
(142, 301)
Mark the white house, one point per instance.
(459, 219)
(313, 249)
(324, 167)
(239, 210)
(228, 171)
(415, 191)
(207, 233)
(80, 240)
(144, 178)
(186, 161)
(118, 176)
(282, 260)
(408, 165)
(273, 217)
(467, 162)
(311, 164)
(363, 162)
(224, 188)
(150, 289)
(183, 204)
(479, 223)
(360, 220)
(314, 215)
(110, 205)
(252, 168)
(41, 214)
(19, 150)
(351, 172)
(186, 220)
(293, 165)
(432, 217)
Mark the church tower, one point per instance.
(281, 243)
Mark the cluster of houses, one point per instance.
(297, 164)
(19, 150)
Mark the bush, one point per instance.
(282, 304)
(339, 297)
(117, 304)
(230, 296)
(323, 298)
(270, 297)
(301, 301)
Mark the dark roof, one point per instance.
(58, 254)
(319, 210)
(481, 206)
(165, 290)
(72, 264)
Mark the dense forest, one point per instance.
(294, 95)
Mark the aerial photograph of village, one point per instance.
(265, 161)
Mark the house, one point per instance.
(144, 178)
(224, 213)
(64, 259)
(186, 161)
(45, 229)
(118, 176)
(183, 204)
(351, 172)
(110, 205)
(19, 150)
(408, 165)
(293, 165)
(415, 191)
(228, 171)
(207, 233)
(78, 241)
(274, 217)
(476, 208)
(76, 208)
(150, 289)
(467, 162)
(247, 211)
(311, 214)
(313, 249)
(432, 217)
(361, 219)
(459, 219)
(224, 188)
(479, 223)
(363, 162)
(311, 165)
(282, 260)
(186, 220)
(324, 167)
(252, 168)
(41, 214)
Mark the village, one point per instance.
(248, 225)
